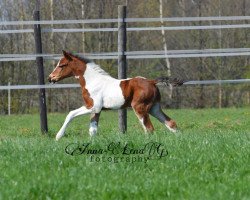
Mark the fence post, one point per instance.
(9, 99)
(40, 71)
(122, 62)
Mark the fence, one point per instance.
(130, 54)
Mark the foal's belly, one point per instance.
(112, 96)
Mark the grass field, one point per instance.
(210, 159)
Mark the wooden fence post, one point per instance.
(40, 71)
(122, 62)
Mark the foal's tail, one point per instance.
(169, 81)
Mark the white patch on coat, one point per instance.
(171, 129)
(103, 89)
(93, 128)
(142, 123)
(59, 62)
(57, 65)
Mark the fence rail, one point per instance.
(54, 86)
(168, 28)
(186, 51)
(136, 54)
(130, 20)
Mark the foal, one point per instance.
(101, 91)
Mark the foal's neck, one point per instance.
(94, 73)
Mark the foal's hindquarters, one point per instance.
(145, 99)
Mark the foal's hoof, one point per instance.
(171, 129)
(171, 125)
(92, 132)
(58, 136)
(176, 132)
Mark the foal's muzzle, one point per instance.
(51, 80)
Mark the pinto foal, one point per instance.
(101, 91)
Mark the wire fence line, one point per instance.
(188, 55)
(136, 54)
(167, 28)
(54, 86)
(186, 51)
(98, 21)
(130, 57)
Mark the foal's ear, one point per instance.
(67, 55)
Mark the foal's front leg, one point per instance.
(72, 114)
(94, 119)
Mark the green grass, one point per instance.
(210, 159)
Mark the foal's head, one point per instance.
(68, 65)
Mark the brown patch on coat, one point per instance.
(141, 94)
(172, 124)
(127, 92)
(139, 90)
(71, 65)
(89, 103)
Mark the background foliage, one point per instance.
(24, 72)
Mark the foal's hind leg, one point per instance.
(157, 112)
(141, 111)
(94, 119)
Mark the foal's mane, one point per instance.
(90, 63)
(82, 58)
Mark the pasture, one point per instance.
(210, 159)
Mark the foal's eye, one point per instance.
(63, 65)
